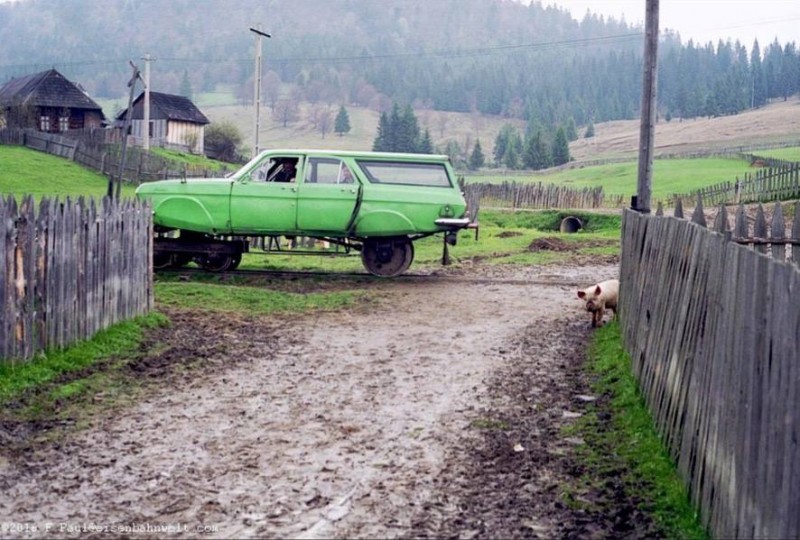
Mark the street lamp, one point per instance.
(257, 85)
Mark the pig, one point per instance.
(599, 298)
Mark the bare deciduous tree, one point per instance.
(321, 118)
(286, 111)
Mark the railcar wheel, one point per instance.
(387, 257)
(218, 262)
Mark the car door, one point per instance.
(327, 196)
(265, 199)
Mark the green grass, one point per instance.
(120, 340)
(788, 154)
(191, 159)
(25, 171)
(669, 176)
(630, 446)
(248, 299)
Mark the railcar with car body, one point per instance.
(376, 203)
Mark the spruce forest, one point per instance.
(532, 62)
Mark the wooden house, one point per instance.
(47, 101)
(174, 122)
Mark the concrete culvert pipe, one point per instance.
(571, 224)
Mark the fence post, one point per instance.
(760, 229)
(698, 216)
(796, 234)
(778, 232)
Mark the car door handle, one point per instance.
(351, 190)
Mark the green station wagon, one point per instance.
(372, 202)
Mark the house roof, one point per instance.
(46, 89)
(168, 106)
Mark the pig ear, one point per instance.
(597, 290)
(581, 294)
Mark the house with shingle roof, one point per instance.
(47, 101)
(174, 122)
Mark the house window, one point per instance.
(44, 123)
(63, 123)
(150, 129)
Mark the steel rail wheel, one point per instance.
(221, 262)
(387, 257)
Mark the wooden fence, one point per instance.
(713, 330)
(94, 151)
(70, 269)
(538, 195)
(765, 185)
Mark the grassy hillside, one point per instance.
(443, 126)
(669, 175)
(26, 171)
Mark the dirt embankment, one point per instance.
(436, 412)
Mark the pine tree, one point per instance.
(342, 123)
(476, 159)
(589, 130)
(512, 158)
(381, 142)
(572, 130)
(426, 144)
(537, 154)
(407, 132)
(399, 132)
(501, 142)
(560, 148)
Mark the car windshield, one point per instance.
(412, 174)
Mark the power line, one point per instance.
(444, 53)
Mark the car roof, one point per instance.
(357, 154)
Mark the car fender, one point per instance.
(182, 212)
(383, 220)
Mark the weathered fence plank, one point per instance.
(66, 274)
(713, 329)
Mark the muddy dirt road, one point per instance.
(366, 423)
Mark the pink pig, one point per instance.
(599, 298)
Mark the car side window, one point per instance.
(262, 172)
(345, 175)
(327, 171)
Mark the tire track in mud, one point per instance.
(335, 424)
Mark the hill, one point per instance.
(464, 128)
(772, 125)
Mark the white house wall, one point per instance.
(171, 133)
(182, 133)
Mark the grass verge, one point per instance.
(622, 441)
(121, 340)
(246, 299)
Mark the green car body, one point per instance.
(361, 197)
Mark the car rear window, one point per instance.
(411, 174)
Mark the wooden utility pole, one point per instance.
(147, 59)
(641, 202)
(257, 86)
(112, 192)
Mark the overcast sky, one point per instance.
(706, 20)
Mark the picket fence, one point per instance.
(712, 324)
(780, 183)
(539, 196)
(70, 269)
